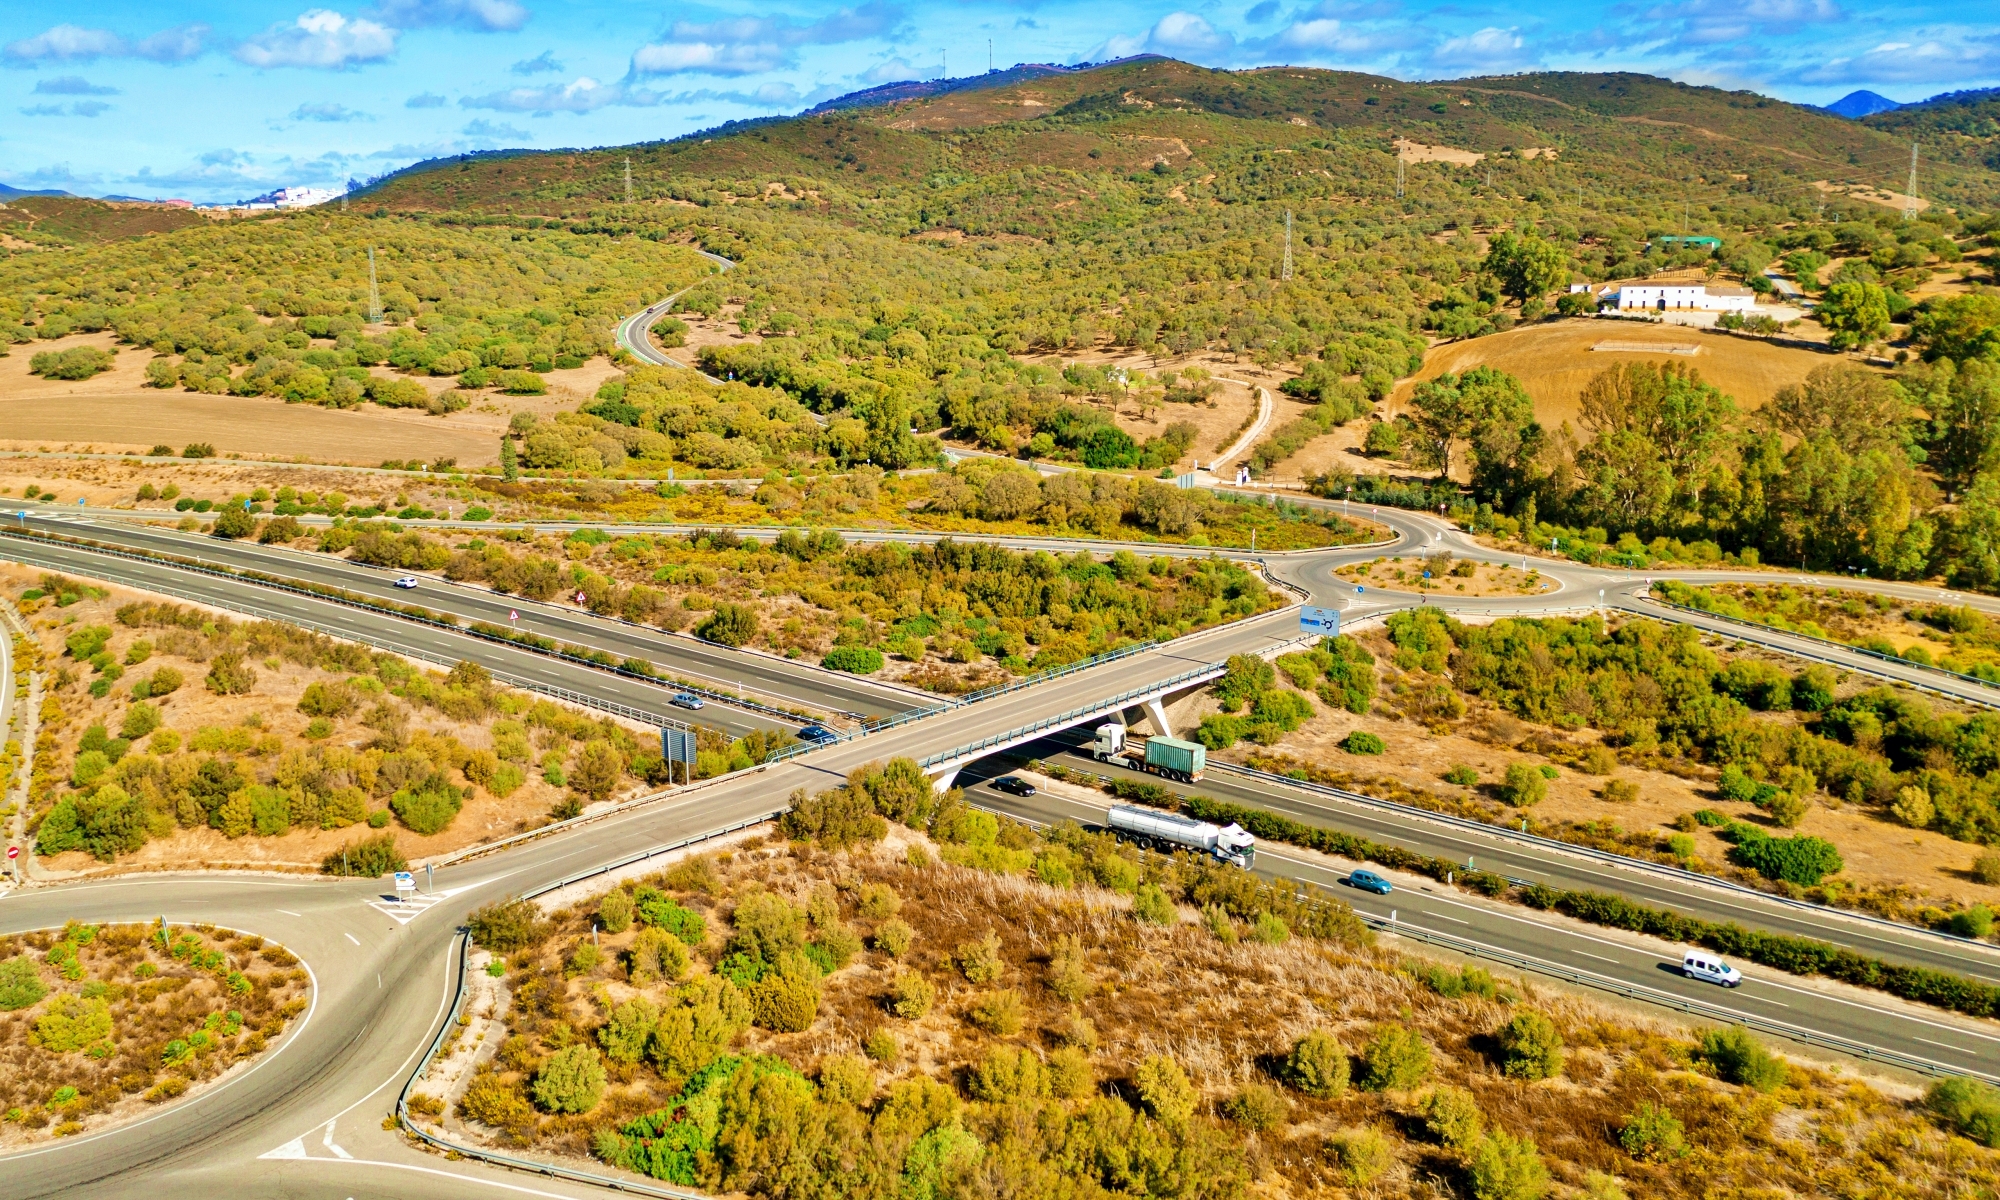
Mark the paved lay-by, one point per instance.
(306, 1119)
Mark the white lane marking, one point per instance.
(1779, 1003)
(350, 937)
(454, 1176)
(1599, 957)
(1949, 1028)
(1953, 1049)
(296, 1148)
(328, 1142)
(288, 912)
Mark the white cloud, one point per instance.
(483, 130)
(753, 45)
(73, 43)
(1178, 35)
(545, 61)
(584, 95)
(71, 85)
(1490, 49)
(894, 70)
(43, 110)
(1942, 57)
(330, 114)
(1320, 36)
(424, 100)
(489, 16)
(89, 108)
(319, 38)
(81, 108)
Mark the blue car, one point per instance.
(686, 700)
(818, 735)
(1369, 881)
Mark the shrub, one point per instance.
(656, 954)
(234, 522)
(1362, 742)
(625, 1034)
(1974, 922)
(228, 675)
(164, 681)
(1504, 1168)
(1461, 775)
(1269, 929)
(614, 911)
(1531, 1047)
(1317, 1065)
(427, 809)
(1620, 791)
(72, 1023)
(1255, 1107)
(140, 720)
(1452, 1116)
(1803, 860)
(1600, 759)
(846, 1079)
(1969, 1107)
(492, 1101)
(367, 858)
(855, 660)
(1000, 1013)
(657, 909)
(583, 959)
(980, 961)
(878, 901)
(1362, 1154)
(1070, 1073)
(731, 625)
(785, 1001)
(835, 818)
(883, 1046)
(20, 984)
(1396, 1059)
(1652, 1133)
(1165, 1091)
(1986, 868)
(506, 925)
(1524, 785)
(1151, 906)
(571, 1081)
(1741, 1059)
(892, 937)
(911, 995)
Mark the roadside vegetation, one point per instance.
(873, 1011)
(101, 1023)
(229, 742)
(1954, 637)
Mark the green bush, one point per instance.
(892, 937)
(614, 911)
(1362, 742)
(855, 660)
(1462, 775)
(1395, 1060)
(1741, 1059)
(505, 926)
(1452, 1116)
(1000, 1013)
(1968, 1107)
(655, 908)
(1653, 1134)
(72, 1023)
(1317, 1065)
(656, 954)
(911, 995)
(1530, 1047)
(785, 1001)
(1255, 1107)
(1524, 785)
(429, 808)
(1362, 1155)
(626, 1032)
(1503, 1168)
(1803, 860)
(20, 984)
(1164, 1090)
(732, 625)
(571, 1081)
(1151, 906)
(367, 858)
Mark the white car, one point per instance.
(1708, 968)
(407, 582)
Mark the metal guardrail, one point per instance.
(1209, 671)
(552, 1170)
(1670, 873)
(173, 563)
(1864, 651)
(1694, 1008)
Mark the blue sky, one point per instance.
(236, 97)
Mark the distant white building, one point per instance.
(1669, 297)
(304, 197)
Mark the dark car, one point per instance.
(819, 735)
(1369, 881)
(1013, 785)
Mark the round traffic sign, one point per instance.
(13, 852)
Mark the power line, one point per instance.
(1285, 272)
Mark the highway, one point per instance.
(306, 1120)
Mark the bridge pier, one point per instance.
(942, 781)
(1156, 711)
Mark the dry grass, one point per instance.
(154, 999)
(1227, 1012)
(1554, 361)
(1483, 579)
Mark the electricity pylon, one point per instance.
(1910, 195)
(1285, 272)
(628, 181)
(374, 292)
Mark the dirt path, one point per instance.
(1249, 436)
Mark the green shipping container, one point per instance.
(1172, 754)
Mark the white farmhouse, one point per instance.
(1669, 297)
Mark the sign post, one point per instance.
(1322, 621)
(678, 746)
(406, 885)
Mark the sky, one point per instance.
(238, 97)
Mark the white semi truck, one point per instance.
(1171, 757)
(1151, 830)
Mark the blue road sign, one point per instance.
(677, 745)
(1325, 621)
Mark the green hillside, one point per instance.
(1962, 129)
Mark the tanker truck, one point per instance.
(1170, 757)
(1153, 830)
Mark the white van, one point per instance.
(1699, 964)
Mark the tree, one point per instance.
(1959, 328)
(1526, 266)
(1165, 1091)
(571, 1081)
(1317, 1065)
(234, 521)
(1963, 401)
(598, 769)
(1531, 1047)
(1483, 406)
(731, 625)
(1968, 1106)
(1741, 1059)
(1855, 314)
(1524, 785)
(507, 925)
(1856, 408)
(510, 461)
(1395, 1060)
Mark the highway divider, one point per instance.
(1784, 952)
